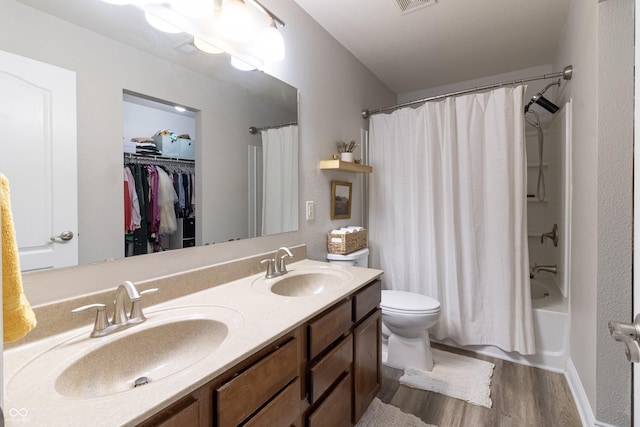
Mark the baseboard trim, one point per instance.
(582, 402)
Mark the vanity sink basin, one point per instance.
(144, 356)
(170, 342)
(301, 283)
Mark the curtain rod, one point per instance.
(566, 74)
(254, 130)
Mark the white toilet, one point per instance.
(406, 318)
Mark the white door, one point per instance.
(38, 156)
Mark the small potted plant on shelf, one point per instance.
(346, 150)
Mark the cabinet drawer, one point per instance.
(366, 300)
(328, 328)
(335, 410)
(244, 394)
(324, 373)
(281, 411)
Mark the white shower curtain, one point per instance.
(280, 180)
(448, 214)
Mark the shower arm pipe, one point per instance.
(566, 74)
(255, 130)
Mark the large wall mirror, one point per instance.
(115, 55)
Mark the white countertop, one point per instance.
(254, 315)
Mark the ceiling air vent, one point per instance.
(408, 6)
(187, 47)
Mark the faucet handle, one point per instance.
(137, 316)
(270, 267)
(102, 322)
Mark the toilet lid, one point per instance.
(408, 302)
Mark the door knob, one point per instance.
(629, 334)
(64, 236)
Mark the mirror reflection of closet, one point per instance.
(173, 225)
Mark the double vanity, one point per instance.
(301, 348)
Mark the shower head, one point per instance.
(545, 103)
(542, 101)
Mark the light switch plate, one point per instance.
(310, 210)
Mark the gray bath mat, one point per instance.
(380, 414)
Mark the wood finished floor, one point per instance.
(522, 396)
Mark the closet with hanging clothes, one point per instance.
(159, 204)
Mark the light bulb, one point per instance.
(270, 44)
(161, 24)
(206, 47)
(201, 9)
(241, 65)
(236, 22)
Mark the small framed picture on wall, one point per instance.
(340, 200)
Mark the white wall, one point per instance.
(615, 204)
(597, 41)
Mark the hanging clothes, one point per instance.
(155, 196)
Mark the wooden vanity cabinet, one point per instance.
(324, 373)
(262, 390)
(345, 359)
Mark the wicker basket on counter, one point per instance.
(349, 242)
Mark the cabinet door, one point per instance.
(367, 362)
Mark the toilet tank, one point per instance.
(359, 258)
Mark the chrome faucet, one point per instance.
(548, 268)
(281, 266)
(277, 266)
(121, 320)
(120, 316)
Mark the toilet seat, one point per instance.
(401, 302)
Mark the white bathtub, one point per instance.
(551, 327)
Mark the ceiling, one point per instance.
(447, 42)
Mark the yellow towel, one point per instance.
(18, 317)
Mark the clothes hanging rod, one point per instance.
(143, 159)
(254, 130)
(566, 74)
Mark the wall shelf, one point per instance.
(344, 166)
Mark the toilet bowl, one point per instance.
(406, 318)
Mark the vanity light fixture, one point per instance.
(236, 27)
(206, 47)
(270, 44)
(241, 65)
(161, 24)
(200, 9)
(236, 22)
